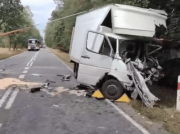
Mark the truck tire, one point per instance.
(112, 89)
(76, 66)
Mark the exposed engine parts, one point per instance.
(141, 73)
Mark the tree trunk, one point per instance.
(9, 43)
(15, 45)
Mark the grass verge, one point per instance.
(164, 111)
(6, 53)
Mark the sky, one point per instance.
(41, 10)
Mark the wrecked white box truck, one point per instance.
(110, 50)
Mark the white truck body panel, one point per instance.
(136, 21)
(84, 23)
(120, 22)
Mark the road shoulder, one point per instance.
(6, 53)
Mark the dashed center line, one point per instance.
(25, 71)
(26, 68)
(12, 98)
(21, 76)
(29, 64)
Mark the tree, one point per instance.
(24, 20)
(10, 12)
(71, 7)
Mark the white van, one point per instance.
(107, 40)
(33, 44)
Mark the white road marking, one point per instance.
(143, 130)
(32, 59)
(12, 98)
(26, 68)
(35, 74)
(31, 64)
(28, 63)
(4, 97)
(21, 76)
(25, 71)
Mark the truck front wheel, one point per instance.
(112, 89)
(76, 65)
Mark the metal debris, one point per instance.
(65, 77)
(36, 89)
(142, 73)
(45, 85)
(85, 87)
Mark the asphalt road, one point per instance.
(22, 112)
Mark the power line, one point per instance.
(53, 20)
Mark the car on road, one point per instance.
(33, 44)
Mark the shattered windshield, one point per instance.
(137, 49)
(131, 49)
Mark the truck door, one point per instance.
(96, 59)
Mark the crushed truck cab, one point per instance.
(111, 48)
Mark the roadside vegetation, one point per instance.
(58, 33)
(6, 53)
(13, 16)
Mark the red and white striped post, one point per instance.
(178, 95)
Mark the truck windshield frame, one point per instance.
(111, 54)
(137, 48)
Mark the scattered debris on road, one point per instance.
(59, 90)
(2, 70)
(65, 77)
(36, 89)
(47, 83)
(4, 83)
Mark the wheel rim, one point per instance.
(112, 90)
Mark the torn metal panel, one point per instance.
(136, 21)
(158, 11)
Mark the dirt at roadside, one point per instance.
(164, 111)
(6, 53)
(7, 82)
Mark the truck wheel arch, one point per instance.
(104, 78)
(76, 67)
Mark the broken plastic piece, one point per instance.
(134, 94)
(65, 77)
(36, 89)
